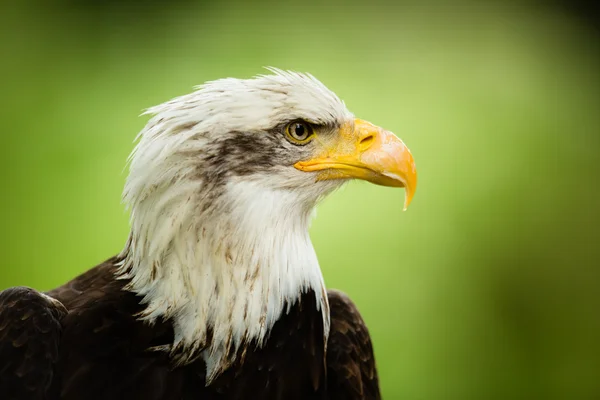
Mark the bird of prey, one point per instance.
(217, 293)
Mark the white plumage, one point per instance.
(229, 263)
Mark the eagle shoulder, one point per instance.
(30, 330)
(351, 369)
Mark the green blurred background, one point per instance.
(488, 287)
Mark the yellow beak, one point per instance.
(365, 151)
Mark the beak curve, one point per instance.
(368, 152)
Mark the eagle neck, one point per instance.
(224, 273)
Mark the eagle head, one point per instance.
(222, 185)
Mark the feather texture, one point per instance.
(101, 351)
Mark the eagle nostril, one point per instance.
(366, 141)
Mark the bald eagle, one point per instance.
(217, 293)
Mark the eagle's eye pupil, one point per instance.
(299, 131)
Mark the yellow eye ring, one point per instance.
(299, 132)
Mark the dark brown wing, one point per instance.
(30, 332)
(104, 347)
(351, 371)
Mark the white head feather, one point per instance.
(224, 260)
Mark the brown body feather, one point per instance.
(91, 346)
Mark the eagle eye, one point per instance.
(299, 132)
